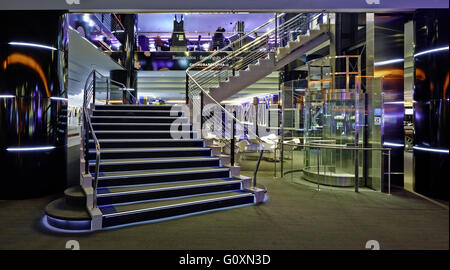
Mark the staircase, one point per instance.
(146, 175)
(257, 59)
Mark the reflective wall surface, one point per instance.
(431, 104)
(33, 103)
(389, 47)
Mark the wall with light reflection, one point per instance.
(33, 104)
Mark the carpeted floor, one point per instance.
(296, 216)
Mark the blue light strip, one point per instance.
(399, 60)
(59, 98)
(387, 62)
(20, 149)
(393, 144)
(55, 229)
(429, 149)
(432, 51)
(14, 43)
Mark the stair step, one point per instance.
(140, 126)
(59, 209)
(147, 143)
(160, 176)
(75, 196)
(111, 165)
(113, 153)
(143, 134)
(114, 195)
(314, 33)
(138, 119)
(136, 113)
(137, 107)
(324, 27)
(152, 210)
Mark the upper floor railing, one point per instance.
(214, 120)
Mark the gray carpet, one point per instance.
(295, 217)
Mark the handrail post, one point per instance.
(389, 171)
(95, 183)
(201, 111)
(93, 85)
(257, 165)
(187, 88)
(233, 134)
(86, 143)
(107, 91)
(356, 170)
(318, 169)
(276, 31)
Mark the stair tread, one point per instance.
(134, 116)
(137, 173)
(144, 188)
(140, 131)
(149, 160)
(149, 149)
(165, 111)
(60, 209)
(140, 124)
(145, 140)
(136, 105)
(152, 205)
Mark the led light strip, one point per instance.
(59, 98)
(387, 62)
(431, 51)
(32, 45)
(399, 60)
(394, 102)
(20, 149)
(7, 96)
(434, 150)
(393, 144)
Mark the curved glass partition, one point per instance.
(328, 125)
(331, 120)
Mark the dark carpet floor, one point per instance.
(295, 217)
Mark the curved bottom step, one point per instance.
(62, 215)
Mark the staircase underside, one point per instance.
(256, 72)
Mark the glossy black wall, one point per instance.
(128, 39)
(431, 103)
(33, 109)
(389, 44)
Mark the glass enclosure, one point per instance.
(328, 124)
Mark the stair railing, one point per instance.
(91, 92)
(199, 83)
(214, 126)
(233, 61)
(87, 129)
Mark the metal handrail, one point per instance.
(122, 87)
(229, 46)
(256, 54)
(89, 95)
(259, 42)
(234, 119)
(117, 19)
